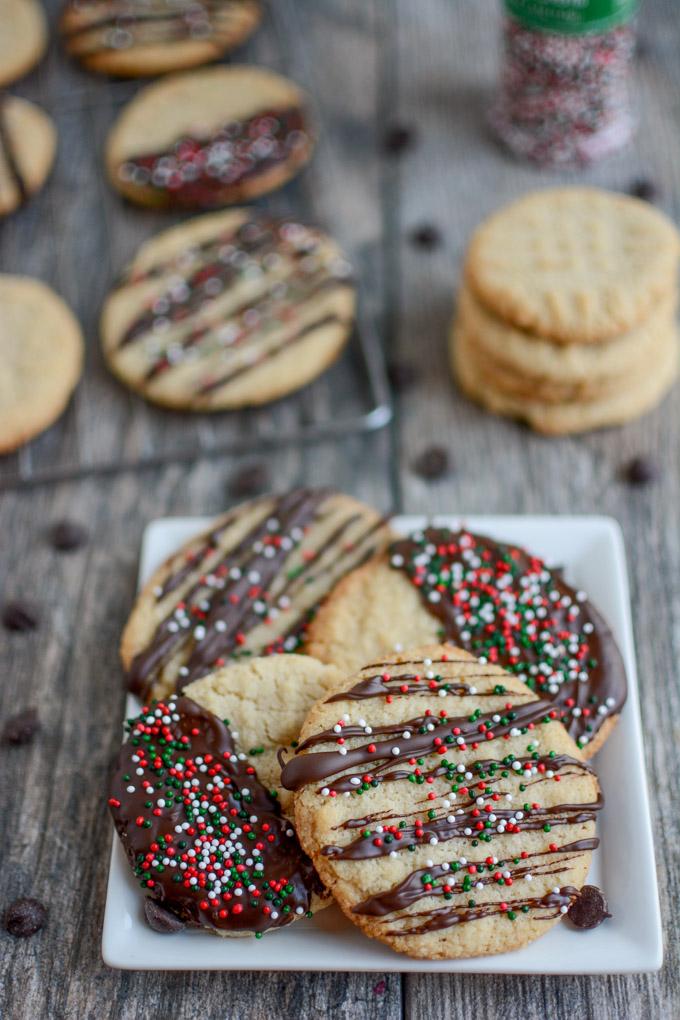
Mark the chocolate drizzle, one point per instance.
(8, 155)
(192, 323)
(235, 864)
(527, 619)
(426, 735)
(210, 171)
(92, 27)
(264, 580)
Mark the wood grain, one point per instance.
(367, 62)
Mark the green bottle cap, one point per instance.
(571, 17)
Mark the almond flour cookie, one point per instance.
(209, 138)
(265, 700)
(129, 39)
(41, 355)
(444, 806)
(574, 264)
(207, 842)
(629, 401)
(28, 142)
(499, 377)
(248, 586)
(496, 600)
(23, 38)
(536, 360)
(228, 310)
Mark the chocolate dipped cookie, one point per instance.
(210, 138)
(496, 600)
(207, 841)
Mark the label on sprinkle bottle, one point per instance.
(571, 17)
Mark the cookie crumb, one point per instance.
(22, 727)
(25, 917)
(249, 480)
(640, 471)
(432, 463)
(20, 616)
(67, 536)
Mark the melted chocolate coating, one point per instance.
(205, 173)
(255, 876)
(568, 656)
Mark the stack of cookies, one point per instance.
(566, 314)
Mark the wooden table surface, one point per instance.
(429, 65)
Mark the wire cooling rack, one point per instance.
(78, 234)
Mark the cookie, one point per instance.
(207, 842)
(444, 805)
(624, 404)
(23, 38)
(28, 141)
(230, 309)
(209, 138)
(530, 357)
(499, 377)
(247, 586)
(128, 39)
(574, 264)
(496, 600)
(266, 700)
(41, 356)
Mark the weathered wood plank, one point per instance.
(446, 68)
(57, 831)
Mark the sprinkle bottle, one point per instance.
(565, 93)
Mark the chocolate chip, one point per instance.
(21, 728)
(431, 463)
(25, 917)
(397, 139)
(66, 536)
(402, 375)
(19, 615)
(249, 480)
(640, 471)
(425, 236)
(645, 189)
(589, 908)
(160, 919)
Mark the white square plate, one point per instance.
(590, 549)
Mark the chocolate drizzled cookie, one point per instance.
(248, 586)
(133, 39)
(444, 804)
(230, 309)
